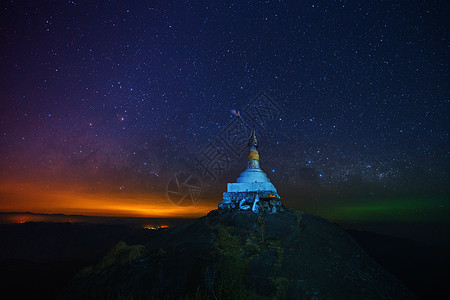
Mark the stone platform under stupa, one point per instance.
(252, 190)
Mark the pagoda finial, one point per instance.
(252, 141)
(253, 144)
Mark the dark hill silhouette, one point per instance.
(241, 255)
(423, 268)
(45, 242)
(38, 259)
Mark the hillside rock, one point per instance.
(242, 255)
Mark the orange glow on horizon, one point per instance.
(38, 199)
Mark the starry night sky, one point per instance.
(116, 98)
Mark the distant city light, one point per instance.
(152, 227)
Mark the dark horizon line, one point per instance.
(84, 216)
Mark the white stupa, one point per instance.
(252, 190)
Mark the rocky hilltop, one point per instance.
(241, 255)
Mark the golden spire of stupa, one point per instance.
(253, 144)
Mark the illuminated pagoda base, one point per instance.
(252, 190)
